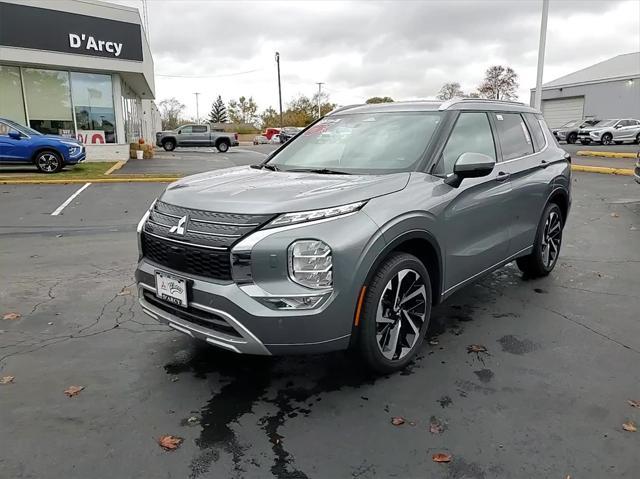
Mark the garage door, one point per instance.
(562, 110)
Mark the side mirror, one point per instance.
(15, 134)
(470, 165)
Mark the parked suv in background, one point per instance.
(347, 240)
(196, 136)
(569, 131)
(608, 132)
(20, 144)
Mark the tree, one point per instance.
(449, 91)
(244, 110)
(218, 112)
(270, 118)
(380, 99)
(500, 83)
(300, 112)
(170, 111)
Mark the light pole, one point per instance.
(541, 47)
(319, 96)
(279, 87)
(197, 108)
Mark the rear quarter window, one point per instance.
(536, 131)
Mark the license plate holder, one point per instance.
(171, 289)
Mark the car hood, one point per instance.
(593, 128)
(247, 190)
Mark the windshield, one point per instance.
(570, 124)
(22, 128)
(605, 123)
(367, 143)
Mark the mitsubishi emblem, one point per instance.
(179, 229)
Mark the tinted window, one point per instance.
(199, 129)
(471, 134)
(536, 131)
(514, 136)
(186, 129)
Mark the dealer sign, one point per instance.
(44, 29)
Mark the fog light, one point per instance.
(311, 264)
(292, 302)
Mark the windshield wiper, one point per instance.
(321, 171)
(268, 166)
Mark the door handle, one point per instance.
(502, 176)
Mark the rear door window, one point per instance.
(514, 136)
(199, 129)
(535, 128)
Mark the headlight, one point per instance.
(73, 150)
(311, 264)
(596, 133)
(303, 216)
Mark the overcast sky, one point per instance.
(402, 49)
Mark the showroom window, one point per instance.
(49, 101)
(92, 96)
(11, 100)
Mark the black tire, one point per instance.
(638, 139)
(48, 161)
(585, 142)
(606, 139)
(169, 145)
(223, 146)
(572, 138)
(536, 265)
(418, 302)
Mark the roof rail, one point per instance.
(343, 108)
(453, 101)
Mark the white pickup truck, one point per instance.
(198, 136)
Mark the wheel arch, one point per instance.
(560, 197)
(169, 138)
(44, 148)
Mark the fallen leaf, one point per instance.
(170, 443)
(193, 421)
(615, 215)
(397, 421)
(476, 348)
(434, 342)
(436, 426)
(73, 390)
(124, 292)
(12, 316)
(441, 457)
(634, 403)
(629, 426)
(7, 379)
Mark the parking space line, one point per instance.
(59, 209)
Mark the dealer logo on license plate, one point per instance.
(171, 289)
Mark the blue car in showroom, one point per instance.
(20, 144)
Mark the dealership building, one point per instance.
(609, 89)
(78, 68)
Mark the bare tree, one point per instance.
(243, 110)
(170, 111)
(500, 83)
(380, 99)
(449, 91)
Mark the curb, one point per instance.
(602, 169)
(75, 181)
(115, 167)
(607, 154)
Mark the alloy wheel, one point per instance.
(606, 139)
(401, 314)
(48, 162)
(551, 238)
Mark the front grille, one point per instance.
(187, 259)
(193, 315)
(195, 241)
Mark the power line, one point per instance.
(210, 76)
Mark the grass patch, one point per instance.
(90, 170)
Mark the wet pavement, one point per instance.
(546, 399)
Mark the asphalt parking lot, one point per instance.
(547, 400)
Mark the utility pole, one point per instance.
(319, 83)
(197, 108)
(541, 48)
(279, 87)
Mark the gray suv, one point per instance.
(347, 235)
